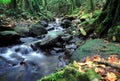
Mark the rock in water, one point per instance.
(50, 39)
(8, 37)
(4, 28)
(66, 23)
(37, 30)
(44, 23)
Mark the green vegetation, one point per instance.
(72, 73)
(47, 9)
(85, 18)
(5, 1)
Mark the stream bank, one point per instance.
(41, 48)
(45, 46)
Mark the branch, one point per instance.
(108, 64)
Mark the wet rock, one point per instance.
(57, 49)
(68, 53)
(59, 44)
(66, 23)
(61, 63)
(95, 46)
(75, 39)
(23, 31)
(44, 23)
(53, 25)
(50, 39)
(4, 28)
(28, 39)
(66, 37)
(37, 30)
(49, 28)
(68, 46)
(8, 37)
(53, 52)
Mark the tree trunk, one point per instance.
(13, 4)
(108, 23)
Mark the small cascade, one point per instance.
(22, 63)
(22, 53)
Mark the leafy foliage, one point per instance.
(71, 73)
(83, 31)
(114, 33)
(5, 1)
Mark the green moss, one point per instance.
(94, 46)
(69, 73)
(92, 75)
(8, 33)
(53, 77)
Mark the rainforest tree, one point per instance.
(108, 23)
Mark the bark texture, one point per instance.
(108, 23)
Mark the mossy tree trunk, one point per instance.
(108, 23)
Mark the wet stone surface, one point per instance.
(37, 56)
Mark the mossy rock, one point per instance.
(95, 46)
(70, 73)
(23, 31)
(9, 38)
(8, 33)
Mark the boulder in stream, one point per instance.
(50, 39)
(23, 31)
(44, 23)
(8, 37)
(37, 30)
(66, 23)
(4, 28)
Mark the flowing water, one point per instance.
(22, 63)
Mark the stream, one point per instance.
(22, 63)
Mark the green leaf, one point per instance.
(5, 1)
(114, 38)
(85, 16)
(83, 31)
